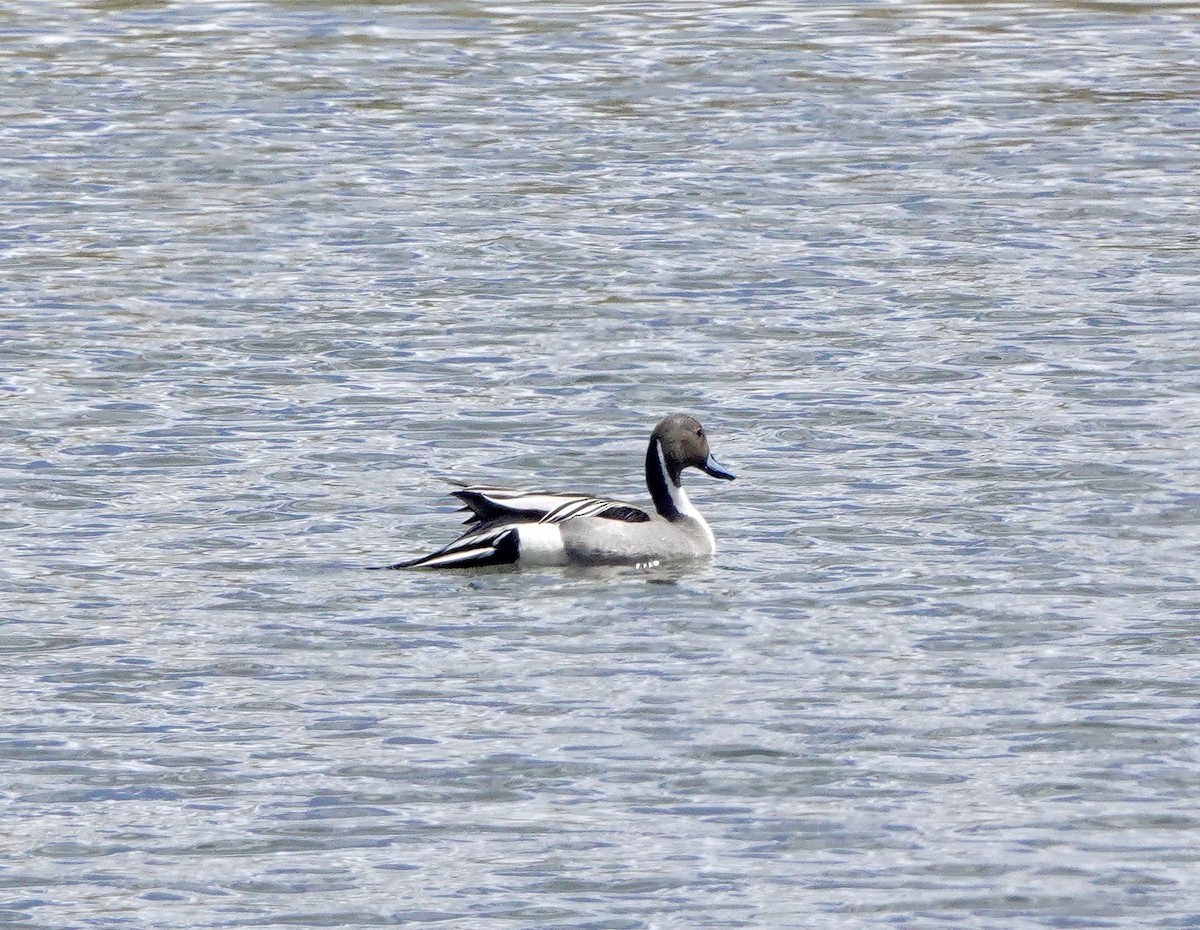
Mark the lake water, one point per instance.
(271, 272)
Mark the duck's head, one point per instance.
(684, 444)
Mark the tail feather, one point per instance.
(474, 550)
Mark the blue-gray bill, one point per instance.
(712, 467)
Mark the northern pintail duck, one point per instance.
(534, 528)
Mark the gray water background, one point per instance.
(271, 272)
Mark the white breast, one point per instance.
(685, 507)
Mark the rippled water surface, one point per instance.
(271, 272)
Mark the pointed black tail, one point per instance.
(500, 546)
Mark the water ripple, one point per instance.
(272, 272)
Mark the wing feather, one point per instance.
(489, 505)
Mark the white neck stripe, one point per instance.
(662, 467)
(678, 495)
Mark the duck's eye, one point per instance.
(700, 432)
